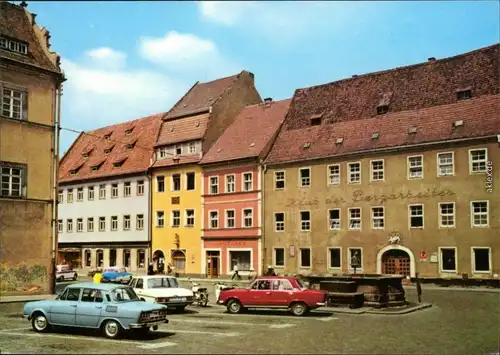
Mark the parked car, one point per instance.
(116, 274)
(111, 308)
(273, 292)
(65, 272)
(162, 289)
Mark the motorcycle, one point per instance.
(200, 293)
(220, 286)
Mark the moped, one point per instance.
(200, 293)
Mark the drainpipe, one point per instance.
(263, 236)
(150, 219)
(55, 187)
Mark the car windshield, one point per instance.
(163, 282)
(124, 294)
(300, 284)
(110, 270)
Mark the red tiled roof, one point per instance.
(183, 129)
(137, 159)
(434, 124)
(201, 96)
(173, 162)
(19, 24)
(412, 87)
(250, 134)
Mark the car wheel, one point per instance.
(40, 323)
(111, 329)
(234, 307)
(204, 300)
(299, 309)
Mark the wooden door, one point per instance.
(396, 265)
(213, 266)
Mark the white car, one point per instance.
(162, 289)
(65, 272)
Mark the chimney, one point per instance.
(23, 4)
(431, 59)
(355, 76)
(268, 100)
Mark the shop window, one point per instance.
(141, 258)
(87, 255)
(242, 258)
(112, 257)
(99, 258)
(126, 258)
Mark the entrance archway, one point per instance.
(396, 259)
(179, 261)
(158, 256)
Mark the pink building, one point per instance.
(232, 191)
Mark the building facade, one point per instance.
(30, 87)
(104, 197)
(397, 182)
(232, 200)
(187, 132)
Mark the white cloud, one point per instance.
(186, 52)
(226, 13)
(107, 57)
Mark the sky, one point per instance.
(125, 60)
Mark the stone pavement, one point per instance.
(458, 323)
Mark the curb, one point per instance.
(460, 289)
(419, 307)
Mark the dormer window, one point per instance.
(178, 149)
(75, 169)
(383, 109)
(109, 149)
(96, 167)
(85, 155)
(316, 120)
(118, 164)
(73, 172)
(464, 94)
(162, 152)
(374, 135)
(13, 46)
(107, 136)
(128, 132)
(130, 146)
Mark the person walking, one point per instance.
(151, 270)
(235, 272)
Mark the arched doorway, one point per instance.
(396, 262)
(179, 261)
(158, 257)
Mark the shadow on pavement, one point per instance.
(128, 335)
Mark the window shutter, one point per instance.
(25, 105)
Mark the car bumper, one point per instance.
(176, 304)
(220, 302)
(321, 304)
(148, 324)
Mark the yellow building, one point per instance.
(30, 83)
(187, 131)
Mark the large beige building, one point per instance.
(394, 172)
(30, 81)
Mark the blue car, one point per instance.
(116, 274)
(109, 307)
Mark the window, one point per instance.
(279, 222)
(141, 259)
(79, 225)
(102, 192)
(279, 257)
(90, 224)
(192, 147)
(382, 109)
(305, 258)
(377, 170)
(230, 219)
(241, 258)
(87, 258)
(334, 174)
(214, 184)
(160, 184)
(214, 219)
(12, 103)
(279, 180)
(178, 149)
(12, 181)
(126, 222)
(378, 218)
(464, 94)
(140, 188)
(13, 46)
(139, 222)
(354, 173)
(176, 182)
(480, 215)
(445, 164)
(447, 215)
(90, 193)
(334, 219)
(60, 226)
(69, 198)
(355, 218)
(448, 259)
(248, 217)
(416, 167)
(416, 216)
(114, 190)
(305, 221)
(190, 218)
(334, 258)
(69, 225)
(481, 260)
(355, 258)
(230, 183)
(114, 223)
(478, 159)
(102, 224)
(190, 181)
(60, 199)
(79, 194)
(160, 219)
(176, 218)
(247, 182)
(305, 177)
(127, 189)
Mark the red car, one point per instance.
(273, 292)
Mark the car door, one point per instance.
(89, 308)
(63, 312)
(281, 292)
(260, 293)
(139, 287)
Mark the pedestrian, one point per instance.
(97, 277)
(151, 270)
(236, 274)
(419, 288)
